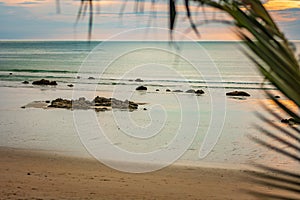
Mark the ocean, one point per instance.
(60, 61)
(112, 69)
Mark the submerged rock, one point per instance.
(25, 82)
(44, 82)
(190, 91)
(91, 78)
(141, 88)
(238, 93)
(70, 85)
(138, 80)
(157, 90)
(168, 90)
(199, 92)
(177, 91)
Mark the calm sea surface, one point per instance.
(111, 68)
(61, 61)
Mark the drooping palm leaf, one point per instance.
(271, 52)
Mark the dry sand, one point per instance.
(31, 175)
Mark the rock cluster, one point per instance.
(44, 82)
(195, 91)
(238, 93)
(289, 121)
(98, 103)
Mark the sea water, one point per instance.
(214, 67)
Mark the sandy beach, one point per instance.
(31, 175)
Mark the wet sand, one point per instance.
(33, 175)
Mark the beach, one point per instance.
(177, 144)
(34, 175)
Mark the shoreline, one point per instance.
(36, 175)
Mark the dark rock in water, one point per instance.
(138, 80)
(78, 77)
(10, 73)
(114, 103)
(190, 91)
(177, 91)
(277, 97)
(61, 103)
(101, 101)
(99, 104)
(91, 78)
(285, 121)
(145, 109)
(289, 121)
(23, 107)
(48, 101)
(81, 103)
(70, 85)
(238, 93)
(44, 82)
(25, 82)
(100, 109)
(157, 90)
(199, 92)
(168, 90)
(141, 88)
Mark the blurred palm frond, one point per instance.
(276, 60)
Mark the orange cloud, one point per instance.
(282, 4)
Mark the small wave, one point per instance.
(39, 71)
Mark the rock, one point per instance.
(177, 91)
(285, 121)
(145, 109)
(101, 101)
(190, 91)
(237, 93)
(141, 88)
(138, 80)
(44, 82)
(78, 77)
(199, 92)
(168, 90)
(25, 82)
(289, 121)
(277, 97)
(70, 85)
(23, 107)
(157, 90)
(100, 109)
(10, 73)
(61, 103)
(48, 101)
(91, 78)
(114, 103)
(99, 104)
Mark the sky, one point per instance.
(39, 20)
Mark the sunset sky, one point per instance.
(38, 19)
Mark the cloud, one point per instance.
(37, 19)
